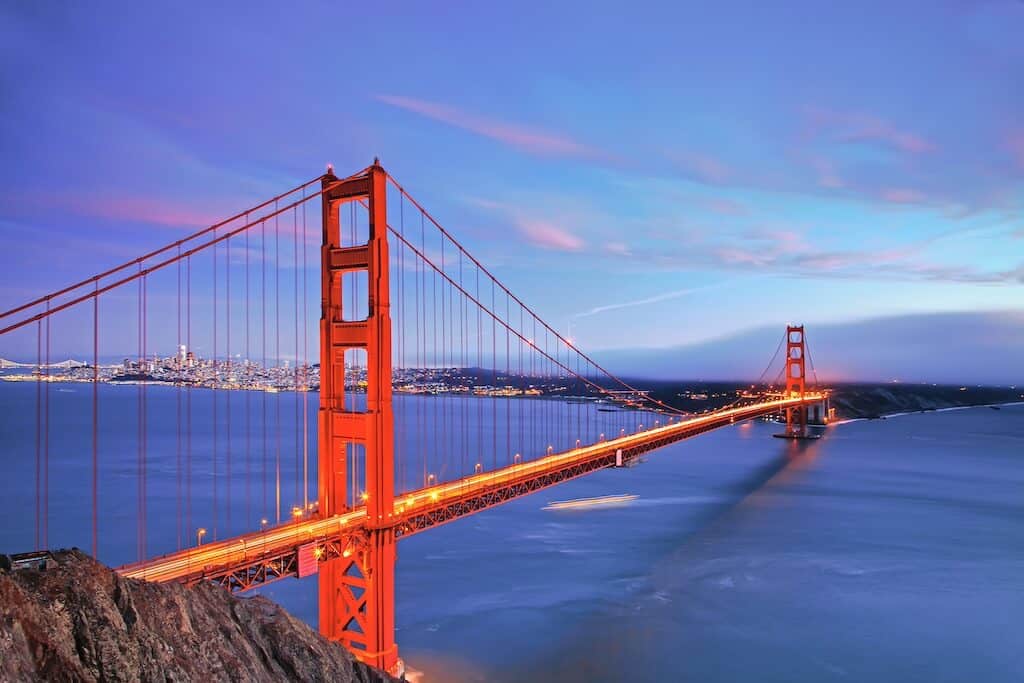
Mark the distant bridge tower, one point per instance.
(796, 352)
(357, 590)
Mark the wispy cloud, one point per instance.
(554, 231)
(617, 249)
(702, 167)
(862, 127)
(547, 235)
(120, 208)
(1015, 146)
(902, 195)
(657, 298)
(532, 140)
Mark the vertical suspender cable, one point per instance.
(305, 361)
(247, 370)
(95, 421)
(277, 368)
(39, 432)
(189, 361)
(227, 394)
(216, 383)
(295, 361)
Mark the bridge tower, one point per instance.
(357, 604)
(796, 352)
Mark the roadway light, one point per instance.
(516, 458)
(296, 512)
(601, 437)
(479, 468)
(550, 448)
(430, 478)
(578, 441)
(200, 532)
(263, 524)
(364, 496)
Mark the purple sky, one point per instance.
(676, 174)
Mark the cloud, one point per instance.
(617, 249)
(914, 347)
(703, 167)
(789, 254)
(827, 173)
(727, 207)
(854, 127)
(902, 195)
(532, 140)
(119, 208)
(1015, 146)
(548, 235)
(657, 298)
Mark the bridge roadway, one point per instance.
(260, 557)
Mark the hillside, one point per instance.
(76, 620)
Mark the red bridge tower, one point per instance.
(796, 352)
(357, 603)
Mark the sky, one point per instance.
(647, 176)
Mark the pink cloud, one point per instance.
(744, 257)
(142, 210)
(902, 195)
(618, 249)
(727, 207)
(1015, 145)
(121, 208)
(529, 139)
(860, 127)
(549, 236)
(704, 167)
(827, 174)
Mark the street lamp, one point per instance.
(200, 532)
(263, 524)
(516, 459)
(479, 468)
(296, 512)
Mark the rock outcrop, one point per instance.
(73, 619)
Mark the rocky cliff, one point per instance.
(72, 619)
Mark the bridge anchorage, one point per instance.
(413, 330)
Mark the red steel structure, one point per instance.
(349, 535)
(796, 352)
(357, 603)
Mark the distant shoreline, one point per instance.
(925, 412)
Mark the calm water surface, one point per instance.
(890, 550)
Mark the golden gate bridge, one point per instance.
(404, 308)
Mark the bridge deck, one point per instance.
(260, 557)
